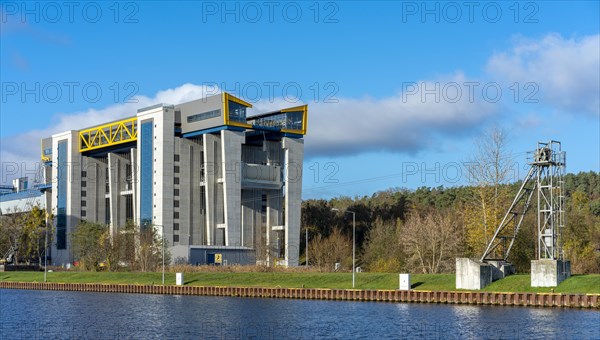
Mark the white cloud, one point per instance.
(22, 158)
(402, 123)
(565, 70)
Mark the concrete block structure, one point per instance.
(549, 273)
(217, 184)
(473, 274)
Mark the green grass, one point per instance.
(583, 284)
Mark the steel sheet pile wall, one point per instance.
(474, 298)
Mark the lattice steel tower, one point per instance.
(550, 160)
(545, 177)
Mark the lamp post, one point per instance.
(46, 253)
(306, 246)
(353, 243)
(162, 241)
(162, 229)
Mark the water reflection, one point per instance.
(49, 314)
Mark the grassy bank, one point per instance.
(583, 284)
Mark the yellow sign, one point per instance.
(219, 258)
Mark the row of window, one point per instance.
(204, 115)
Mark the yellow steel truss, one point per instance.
(114, 133)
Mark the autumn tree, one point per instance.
(36, 234)
(582, 235)
(87, 247)
(382, 251)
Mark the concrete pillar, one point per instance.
(197, 223)
(91, 179)
(231, 151)
(294, 154)
(134, 180)
(210, 173)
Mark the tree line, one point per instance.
(424, 230)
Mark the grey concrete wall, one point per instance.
(201, 106)
(251, 219)
(471, 274)
(549, 273)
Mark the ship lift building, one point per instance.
(220, 186)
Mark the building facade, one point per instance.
(220, 186)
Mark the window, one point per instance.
(83, 203)
(176, 158)
(176, 180)
(237, 112)
(202, 116)
(176, 169)
(175, 214)
(61, 194)
(83, 193)
(129, 207)
(146, 173)
(83, 213)
(106, 210)
(128, 177)
(176, 204)
(83, 173)
(83, 184)
(263, 209)
(175, 238)
(175, 226)
(176, 192)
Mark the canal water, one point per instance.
(28, 314)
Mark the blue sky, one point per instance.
(397, 91)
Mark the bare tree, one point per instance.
(431, 242)
(489, 167)
(336, 248)
(149, 250)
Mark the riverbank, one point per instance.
(577, 284)
(440, 297)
